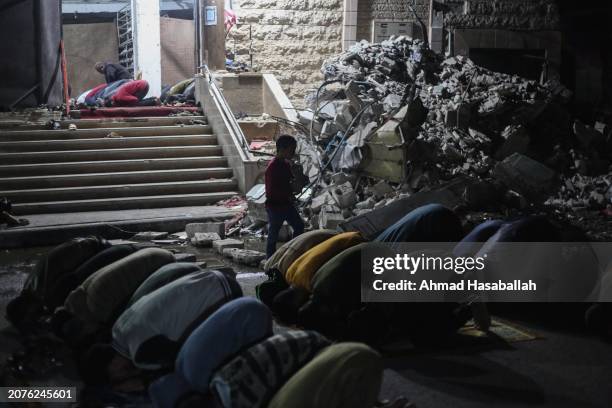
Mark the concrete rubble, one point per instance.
(204, 239)
(395, 119)
(149, 236)
(245, 256)
(209, 227)
(223, 244)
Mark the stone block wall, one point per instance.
(290, 38)
(389, 10)
(81, 55)
(502, 14)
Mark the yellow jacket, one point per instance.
(302, 270)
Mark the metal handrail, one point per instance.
(226, 111)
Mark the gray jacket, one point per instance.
(151, 331)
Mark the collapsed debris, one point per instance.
(244, 256)
(205, 227)
(223, 244)
(394, 120)
(149, 236)
(204, 239)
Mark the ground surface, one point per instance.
(559, 369)
(53, 229)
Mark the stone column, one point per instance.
(147, 48)
(214, 36)
(349, 25)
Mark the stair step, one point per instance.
(123, 203)
(109, 154)
(109, 166)
(115, 122)
(107, 143)
(100, 179)
(118, 190)
(132, 122)
(62, 134)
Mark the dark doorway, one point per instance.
(523, 62)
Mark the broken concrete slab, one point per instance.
(185, 257)
(344, 195)
(256, 202)
(341, 178)
(330, 218)
(366, 204)
(322, 199)
(372, 223)
(149, 235)
(229, 252)
(222, 244)
(516, 141)
(248, 257)
(392, 102)
(307, 119)
(385, 152)
(327, 110)
(329, 129)
(216, 227)
(344, 116)
(180, 235)
(359, 137)
(381, 189)
(204, 239)
(527, 176)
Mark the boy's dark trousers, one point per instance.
(276, 217)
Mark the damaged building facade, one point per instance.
(396, 118)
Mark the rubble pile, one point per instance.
(582, 192)
(393, 120)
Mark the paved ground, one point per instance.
(562, 368)
(52, 229)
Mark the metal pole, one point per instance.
(197, 18)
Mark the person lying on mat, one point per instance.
(132, 93)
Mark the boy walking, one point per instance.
(279, 194)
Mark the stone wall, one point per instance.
(290, 38)
(177, 49)
(502, 14)
(390, 10)
(82, 55)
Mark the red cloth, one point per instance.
(131, 93)
(137, 111)
(278, 184)
(231, 19)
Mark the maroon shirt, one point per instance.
(278, 184)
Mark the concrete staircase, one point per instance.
(110, 165)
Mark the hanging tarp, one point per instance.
(30, 59)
